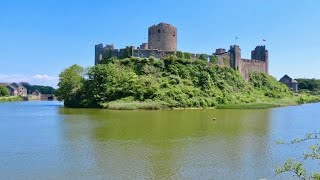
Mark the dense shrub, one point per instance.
(269, 85)
(309, 85)
(172, 82)
(4, 91)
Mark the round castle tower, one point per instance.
(163, 37)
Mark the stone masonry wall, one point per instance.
(162, 37)
(106, 52)
(250, 65)
(222, 59)
(145, 53)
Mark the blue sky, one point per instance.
(38, 39)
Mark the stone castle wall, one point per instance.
(257, 63)
(250, 65)
(145, 53)
(162, 41)
(222, 59)
(231, 58)
(107, 52)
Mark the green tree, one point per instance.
(205, 80)
(296, 167)
(179, 54)
(214, 59)
(110, 82)
(41, 89)
(311, 85)
(70, 84)
(4, 91)
(187, 55)
(203, 57)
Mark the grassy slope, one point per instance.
(133, 105)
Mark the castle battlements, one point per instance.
(162, 42)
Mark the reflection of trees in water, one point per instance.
(164, 144)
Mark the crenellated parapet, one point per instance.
(108, 51)
(144, 46)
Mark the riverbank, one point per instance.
(157, 105)
(298, 100)
(267, 103)
(10, 98)
(135, 105)
(253, 106)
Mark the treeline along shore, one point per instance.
(146, 83)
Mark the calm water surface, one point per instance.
(44, 140)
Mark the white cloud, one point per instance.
(45, 77)
(41, 76)
(38, 79)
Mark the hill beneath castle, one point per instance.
(146, 83)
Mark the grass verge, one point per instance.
(10, 98)
(119, 105)
(302, 99)
(249, 106)
(260, 104)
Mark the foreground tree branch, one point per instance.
(297, 168)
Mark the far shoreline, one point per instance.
(157, 106)
(252, 106)
(150, 105)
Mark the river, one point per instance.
(44, 140)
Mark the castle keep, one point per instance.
(162, 36)
(162, 42)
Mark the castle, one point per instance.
(162, 42)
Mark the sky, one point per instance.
(39, 39)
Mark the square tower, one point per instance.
(261, 53)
